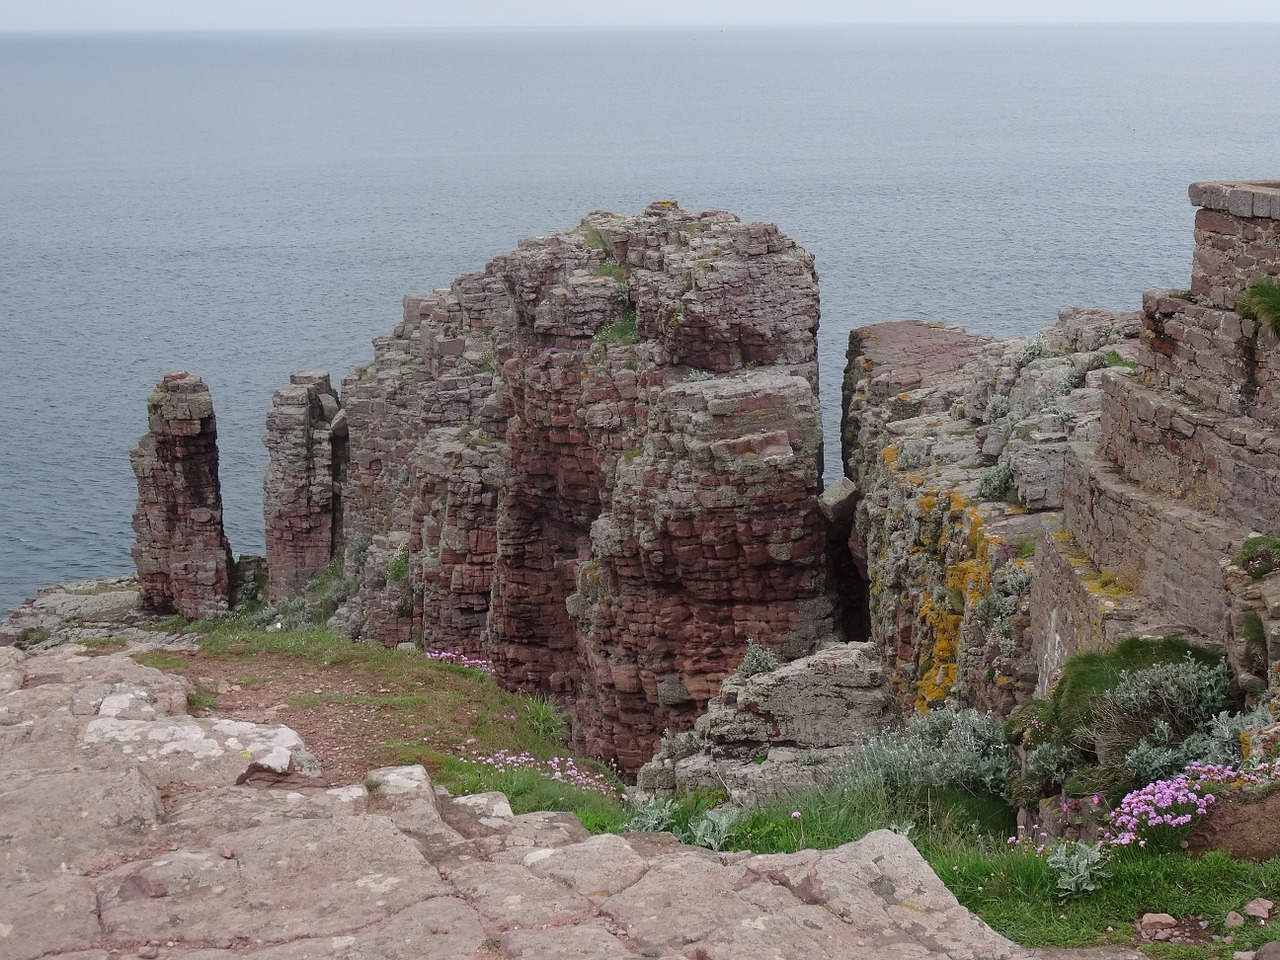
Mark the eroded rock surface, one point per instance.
(772, 733)
(144, 846)
(596, 464)
(306, 435)
(182, 555)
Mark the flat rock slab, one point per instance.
(95, 864)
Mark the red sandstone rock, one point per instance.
(182, 555)
(304, 429)
(597, 464)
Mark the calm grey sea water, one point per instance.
(243, 206)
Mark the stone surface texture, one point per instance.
(1137, 450)
(182, 555)
(1158, 505)
(774, 732)
(306, 436)
(956, 446)
(155, 846)
(1236, 238)
(596, 464)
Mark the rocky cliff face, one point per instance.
(306, 435)
(595, 463)
(182, 555)
(1124, 457)
(1159, 506)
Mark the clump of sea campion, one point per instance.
(561, 769)
(1163, 813)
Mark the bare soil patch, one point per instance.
(352, 717)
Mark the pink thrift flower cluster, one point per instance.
(1170, 805)
(561, 769)
(461, 660)
(1029, 839)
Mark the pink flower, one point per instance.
(795, 814)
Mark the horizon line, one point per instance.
(620, 27)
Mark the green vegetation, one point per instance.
(98, 646)
(1258, 556)
(1121, 719)
(1252, 630)
(758, 660)
(593, 237)
(169, 660)
(1262, 304)
(621, 333)
(613, 270)
(398, 565)
(995, 483)
(201, 699)
(404, 707)
(1115, 360)
(1026, 547)
(30, 636)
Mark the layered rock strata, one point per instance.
(596, 464)
(1135, 450)
(182, 555)
(1184, 470)
(306, 434)
(134, 831)
(956, 445)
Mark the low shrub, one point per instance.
(1258, 556)
(398, 565)
(948, 747)
(994, 483)
(1033, 349)
(758, 660)
(31, 636)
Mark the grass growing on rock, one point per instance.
(362, 706)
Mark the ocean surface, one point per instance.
(240, 206)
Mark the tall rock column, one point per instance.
(306, 437)
(182, 555)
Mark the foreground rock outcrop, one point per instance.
(182, 555)
(132, 830)
(595, 464)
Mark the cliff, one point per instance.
(1009, 504)
(1136, 451)
(596, 464)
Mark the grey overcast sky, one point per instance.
(130, 15)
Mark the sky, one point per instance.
(200, 15)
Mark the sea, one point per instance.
(240, 206)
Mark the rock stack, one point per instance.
(596, 463)
(182, 555)
(306, 430)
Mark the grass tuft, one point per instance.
(1262, 305)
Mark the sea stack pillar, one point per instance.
(306, 431)
(181, 552)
